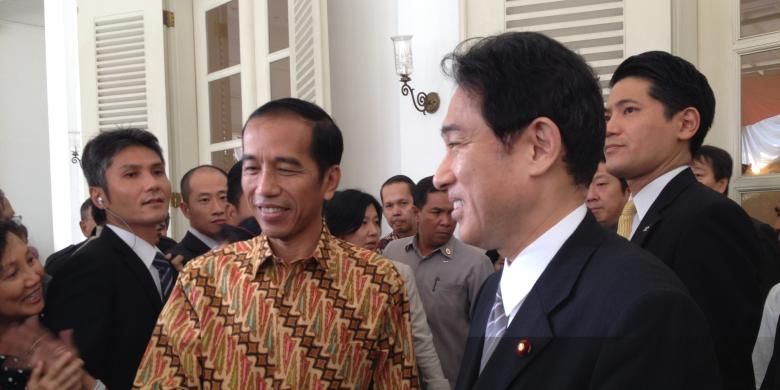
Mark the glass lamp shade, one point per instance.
(403, 54)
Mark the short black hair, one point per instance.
(99, 152)
(422, 189)
(84, 209)
(11, 227)
(521, 76)
(674, 82)
(185, 180)
(327, 144)
(397, 179)
(344, 213)
(719, 160)
(235, 190)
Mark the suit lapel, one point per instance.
(136, 265)
(654, 215)
(532, 321)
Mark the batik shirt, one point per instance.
(241, 318)
(386, 240)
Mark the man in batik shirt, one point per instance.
(294, 308)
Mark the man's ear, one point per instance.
(689, 123)
(721, 185)
(98, 197)
(330, 181)
(544, 145)
(185, 209)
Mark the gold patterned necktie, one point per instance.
(626, 219)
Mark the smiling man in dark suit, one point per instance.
(659, 111)
(204, 202)
(111, 291)
(575, 306)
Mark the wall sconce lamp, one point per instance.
(423, 102)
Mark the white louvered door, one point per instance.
(292, 50)
(122, 67)
(592, 28)
(309, 48)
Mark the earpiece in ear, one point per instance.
(100, 200)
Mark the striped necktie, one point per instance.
(165, 271)
(495, 328)
(626, 219)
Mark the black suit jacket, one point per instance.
(603, 315)
(105, 293)
(711, 244)
(55, 261)
(190, 247)
(769, 268)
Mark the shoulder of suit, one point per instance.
(468, 251)
(398, 244)
(628, 262)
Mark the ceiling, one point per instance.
(22, 11)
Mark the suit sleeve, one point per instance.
(716, 259)
(81, 297)
(172, 357)
(659, 342)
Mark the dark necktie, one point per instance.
(496, 325)
(165, 271)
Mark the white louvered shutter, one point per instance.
(592, 28)
(308, 41)
(122, 67)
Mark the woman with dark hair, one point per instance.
(356, 217)
(30, 357)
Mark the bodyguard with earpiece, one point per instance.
(112, 290)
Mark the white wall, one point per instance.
(364, 90)
(24, 134)
(384, 134)
(435, 27)
(68, 184)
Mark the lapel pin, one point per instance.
(523, 348)
(448, 251)
(646, 228)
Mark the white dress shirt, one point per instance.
(520, 275)
(647, 195)
(765, 342)
(142, 249)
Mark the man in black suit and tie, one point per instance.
(111, 291)
(204, 203)
(659, 111)
(575, 306)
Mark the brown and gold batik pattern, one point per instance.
(241, 318)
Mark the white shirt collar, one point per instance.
(142, 249)
(647, 195)
(519, 276)
(210, 242)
